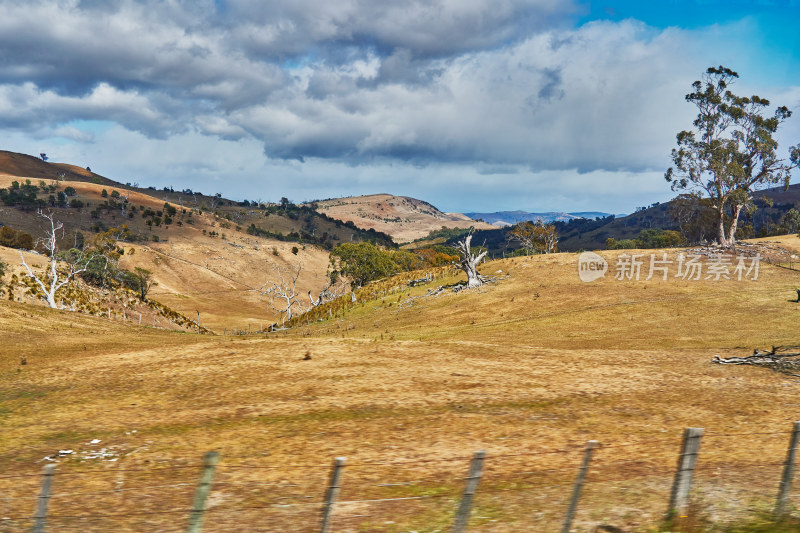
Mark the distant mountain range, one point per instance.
(509, 218)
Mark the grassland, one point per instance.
(407, 387)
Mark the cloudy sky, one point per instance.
(473, 105)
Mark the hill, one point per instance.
(27, 166)
(509, 218)
(584, 233)
(407, 386)
(405, 219)
(207, 254)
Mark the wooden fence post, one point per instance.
(44, 498)
(788, 473)
(332, 493)
(679, 496)
(576, 491)
(473, 478)
(201, 493)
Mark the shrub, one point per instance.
(22, 195)
(15, 239)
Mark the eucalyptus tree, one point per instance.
(731, 151)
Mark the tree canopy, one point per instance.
(731, 151)
(362, 262)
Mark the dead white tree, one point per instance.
(330, 292)
(54, 278)
(283, 292)
(469, 262)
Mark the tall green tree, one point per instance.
(731, 151)
(362, 262)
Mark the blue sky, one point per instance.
(485, 105)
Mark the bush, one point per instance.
(649, 238)
(70, 191)
(77, 204)
(22, 195)
(15, 239)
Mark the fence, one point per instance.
(628, 484)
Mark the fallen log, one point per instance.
(784, 359)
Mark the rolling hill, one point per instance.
(509, 218)
(405, 219)
(210, 257)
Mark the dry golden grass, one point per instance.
(218, 277)
(537, 362)
(405, 219)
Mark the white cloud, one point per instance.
(448, 100)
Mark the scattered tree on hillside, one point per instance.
(43, 156)
(283, 292)
(56, 277)
(535, 237)
(469, 262)
(15, 239)
(141, 280)
(21, 195)
(362, 262)
(790, 221)
(215, 201)
(694, 216)
(106, 249)
(731, 152)
(335, 288)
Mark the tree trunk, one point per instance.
(469, 263)
(737, 210)
(721, 238)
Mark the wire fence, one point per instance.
(633, 485)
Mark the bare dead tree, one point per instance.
(333, 290)
(535, 236)
(54, 278)
(469, 262)
(283, 292)
(215, 201)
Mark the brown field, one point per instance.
(528, 368)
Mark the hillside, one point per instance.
(586, 233)
(27, 166)
(404, 218)
(407, 387)
(509, 218)
(211, 256)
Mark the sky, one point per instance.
(472, 105)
